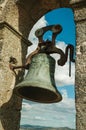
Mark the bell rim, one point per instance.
(56, 100)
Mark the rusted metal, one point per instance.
(48, 47)
(14, 31)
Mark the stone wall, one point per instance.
(13, 43)
(80, 78)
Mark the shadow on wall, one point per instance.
(10, 114)
(10, 111)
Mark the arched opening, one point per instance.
(62, 114)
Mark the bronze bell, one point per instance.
(39, 83)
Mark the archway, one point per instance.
(61, 114)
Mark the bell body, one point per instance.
(39, 83)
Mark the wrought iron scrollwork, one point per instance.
(49, 47)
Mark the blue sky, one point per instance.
(58, 114)
(64, 17)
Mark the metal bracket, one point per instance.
(48, 47)
(14, 31)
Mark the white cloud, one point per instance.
(41, 23)
(64, 93)
(62, 72)
(26, 106)
(60, 114)
(67, 102)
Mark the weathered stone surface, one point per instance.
(81, 69)
(10, 45)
